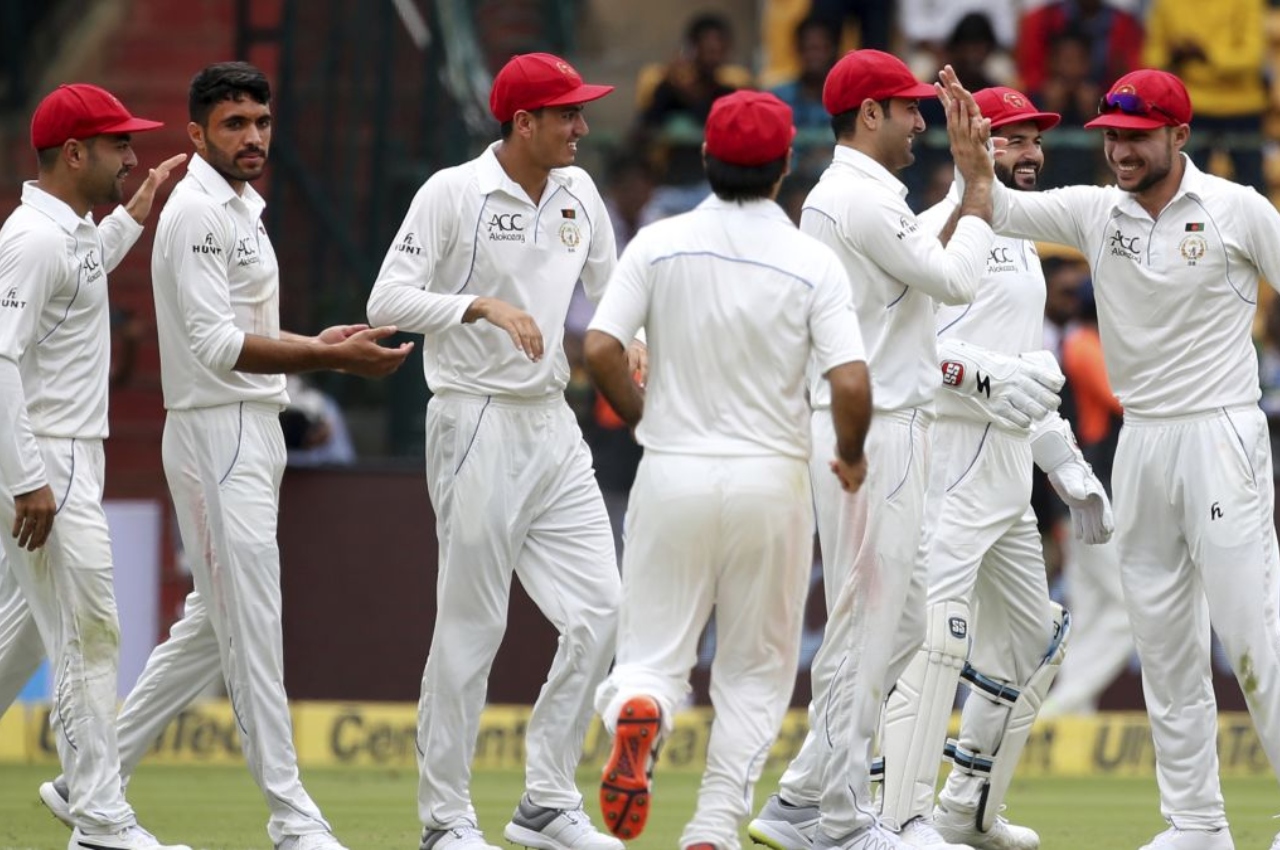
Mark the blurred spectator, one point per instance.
(1101, 641)
(1070, 91)
(874, 18)
(818, 44)
(1218, 50)
(315, 431)
(927, 26)
(672, 116)
(1114, 38)
(970, 50)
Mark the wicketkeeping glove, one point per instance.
(1055, 451)
(1007, 390)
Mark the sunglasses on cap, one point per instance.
(1130, 104)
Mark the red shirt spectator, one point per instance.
(1116, 37)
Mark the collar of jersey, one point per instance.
(217, 187)
(490, 177)
(55, 208)
(1191, 186)
(762, 206)
(846, 157)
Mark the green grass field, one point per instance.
(218, 808)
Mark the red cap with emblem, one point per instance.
(1144, 100)
(81, 111)
(863, 74)
(534, 80)
(1004, 105)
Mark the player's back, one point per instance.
(734, 290)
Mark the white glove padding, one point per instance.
(1009, 391)
(1054, 448)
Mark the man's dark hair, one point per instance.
(225, 81)
(707, 22)
(47, 158)
(743, 182)
(846, 123)
(509, 127)
(820, 23)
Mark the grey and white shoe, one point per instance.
(1192, 839)
(874, 837)
(543, 828)
(310, 841)
(56, 799)
(130, 838)
(464, 837)
(960, 826)
(920, 832)
(782, 826)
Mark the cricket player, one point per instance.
(222, 359)
(504, 238)
(54, 360)
(1176, 256)
(736, 302)
(982, 545)
(875, 580)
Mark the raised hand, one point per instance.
(139, 206)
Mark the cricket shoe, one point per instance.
(1275, 845)
(960, 826)
(464, 837)
(782, 826)
(628, 775)
(555, 829)
(874, 837)
(1192, 839)
(130, 838)
(56, 799)
(920, 832)
(310, 841)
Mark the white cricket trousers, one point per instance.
(68, 589)
(1194, 498)
(224, 466)
(982, 547)
(513, 491)
(1101, 639)
(21, 649)
(733, 534)
(871, 544)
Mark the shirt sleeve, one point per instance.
(1262, 234)
(401, 295)
(603, 256)
(833, 323)
(119, 232)
(204, 292)
(30, 268)
(890, 236)
(625, 305)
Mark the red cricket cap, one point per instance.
(534, 80)
(1144, 100)
(749, 128)
(81, 111)
(862, 74)
(1003, 105)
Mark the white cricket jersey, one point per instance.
(1176, 294)
(215, 279)
(472, 231)
(55, 328)
(735, 302)
(896, 269)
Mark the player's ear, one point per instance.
(1181, 134)
(196, 134)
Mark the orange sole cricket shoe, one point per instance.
(628, 775)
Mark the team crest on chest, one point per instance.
(1193, 247)
(570, 235)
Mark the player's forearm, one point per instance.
(607, 365)
(850, 408)
(265, 356)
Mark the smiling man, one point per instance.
(1177, 256)
(875, 582)
(504, 238)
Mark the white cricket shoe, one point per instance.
(874, 837)
(920, 832)
(960, 826)
(782, 826)
(55, 796)
(1192, 839)
(129, 838)
(543, 828)
(464, 837)
(310, 841)
(1275, 845)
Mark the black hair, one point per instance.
(743, 182)
(47, 158)
(509, 127)
(846, 123)
(225, 81)
(820, 23)
(973, 28)
(704, 23)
